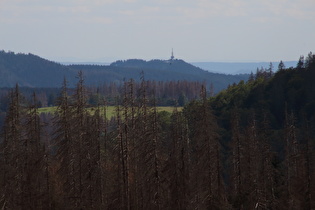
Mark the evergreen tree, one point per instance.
(300, 63)
(281, 66)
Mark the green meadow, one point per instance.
(110, 110)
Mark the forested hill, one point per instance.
(33, 71)
(290, 90)
(30, 70)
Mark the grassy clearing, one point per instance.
(109, 109)
(47, 109)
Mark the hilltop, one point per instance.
(30, 70)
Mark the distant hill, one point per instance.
(33, 71)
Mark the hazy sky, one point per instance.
(198, 30)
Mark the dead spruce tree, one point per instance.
(206, 178)
(292, 155)
(77, 144)
(112, 164)
(237, 172)
(147, 147)
(309, 159)
(64, 145)
(24, 182)
(259, 186)
(178, 164)
(38, 183)
(13, 170)
(136, 155)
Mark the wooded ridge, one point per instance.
(29, 70)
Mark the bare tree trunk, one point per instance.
(237, 162)
(156, 163)
(308, 159)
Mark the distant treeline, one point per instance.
(249, 147)
(168, 93)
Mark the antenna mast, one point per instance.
(172, 57)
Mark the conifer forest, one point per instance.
(250, 146)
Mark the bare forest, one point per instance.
(217, 153)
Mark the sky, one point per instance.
(197, 30)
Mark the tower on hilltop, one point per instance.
(172, 56)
